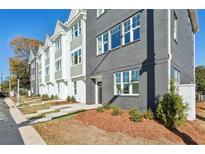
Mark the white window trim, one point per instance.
(102, 43)
(47, 56)
(75, 50)
(122, 35)
(79, 29)
(103, 11)
(59, 59)
(59, 42)
(122, 85)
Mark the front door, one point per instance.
(99, 84)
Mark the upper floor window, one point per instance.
(76, 30)
(47, 54)
(58, 44)
(102, 43)
(101, 11)
(175, 28)
(47, 70)
(175, 75)
(58, 65)
(115, 37)
(136, 27)
(126, 82)
(76, 57)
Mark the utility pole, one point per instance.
(18, 93)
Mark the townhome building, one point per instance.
(122, 57)
(132, 55)
(34, 88)
(61, 59)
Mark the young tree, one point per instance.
(200, 78)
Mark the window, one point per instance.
(76, 30)
(58, 65)
(136, 27)
(102, 43)
(127, 82)
(175, 28)
(101, 11)
(126, 26)
(76, 57)
(175, 75)
(47, 54)
(75, 87)
(58, 44)
(115, 35)
(47, 70)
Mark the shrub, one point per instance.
(68, 99)
(52, 97)
(56, 97)
(73, 100)
(116, 110)
(100, 109)
(135, 115)
(149, 114)
(45, 97)
(170, 109)
(107, 106)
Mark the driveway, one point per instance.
(9, 133)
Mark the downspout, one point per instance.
(169, 48)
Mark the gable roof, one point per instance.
(47, 41)
(31, 55)
(59, 27)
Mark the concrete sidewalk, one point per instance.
(27, 132)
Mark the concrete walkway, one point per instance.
(13, 126)
(71, 108)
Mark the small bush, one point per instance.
(52, 97)
(73, 100)
(149, 114)
(68, 99)
(170, 109)
(56, 97)
(135, 115)
(100, 109)
(107, 106)
(116, 110)
(45, 97)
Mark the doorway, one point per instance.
(99, 92)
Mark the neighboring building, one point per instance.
(34, 88)
(62, 59)
(133, 54)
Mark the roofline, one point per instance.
(194, 20)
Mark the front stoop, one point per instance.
(28, 133)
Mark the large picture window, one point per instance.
(76, 57)
(76, 30)
(126, 82)
(115, 35)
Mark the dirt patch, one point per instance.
(148, 129)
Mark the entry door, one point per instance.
(99, 92)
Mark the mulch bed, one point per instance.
(189, 133)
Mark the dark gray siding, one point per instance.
(150, 55)
(182, 51)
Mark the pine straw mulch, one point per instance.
(192, 132)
